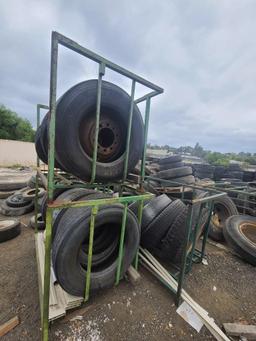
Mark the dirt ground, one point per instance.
(225, 287)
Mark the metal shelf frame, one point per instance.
(53, 182)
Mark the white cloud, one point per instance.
(202, 52)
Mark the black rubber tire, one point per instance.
(174, 173)
(172, 244)
(16, 211)
(32, 182)
(171, 165)
(9, 229)
(66, 245)
(176, 182)
(16, 200)
(12, 185)
(6, 194)
(159, 227)
(73, 194)
(74, 108)
(40, 222)
(56, 193)
(134, 206)
(224, 207)
(170, 159)
(153, 209)
(30, 194)
(39, 146)
(239, 242)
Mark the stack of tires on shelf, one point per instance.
(74, 144)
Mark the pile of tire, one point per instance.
(248, 176)
(240, 234)
(163, 229)
(70, 234)
(219, 172)
(172, 168)
(203, 171)
(75, 119)
(21, 202)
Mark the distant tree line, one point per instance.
(215, 158)
(13, 127)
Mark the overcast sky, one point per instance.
(202, 52)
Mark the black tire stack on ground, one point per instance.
(16, 205)
(219, 172)
(248, 176)
(164, 226)
(173, 169)
(203, 171)
(75, 118)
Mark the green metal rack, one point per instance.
(190, 253)
(53, 182)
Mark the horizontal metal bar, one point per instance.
(144, 98)
(169, 182)
(72, 45)
(206, 199)
(42, 106)
(99, 202)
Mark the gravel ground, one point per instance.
(225, 287)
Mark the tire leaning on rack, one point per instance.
(240, 234)
(153, 209)
(73, 194)
(75, 118)
(69, 272)
(159, 226)
(224, 207)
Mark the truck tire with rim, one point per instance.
(75, 117)
(240, 234)
(224, 207)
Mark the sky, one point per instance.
(202, 52)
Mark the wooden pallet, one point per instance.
(60, 301)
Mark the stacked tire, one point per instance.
(203, 171)
(21, 202)
(75, 118)
(164, 226)
(71, 241)
(172, 168)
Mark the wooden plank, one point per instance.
(158, 270)
(238, 329)
(9, 325)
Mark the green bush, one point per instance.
(13, 127)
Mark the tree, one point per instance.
(13, 127)
(198, 150)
